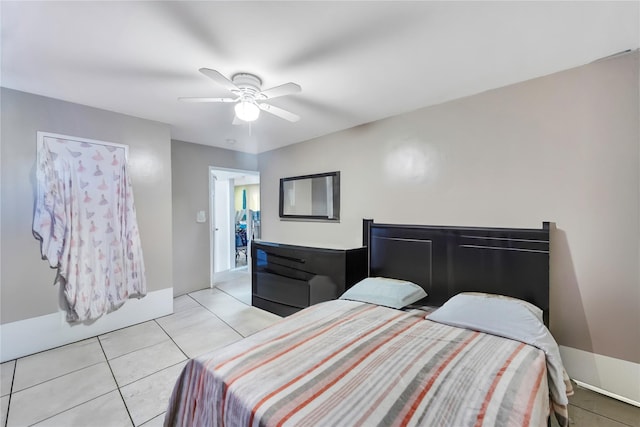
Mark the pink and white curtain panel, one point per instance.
(86, 221)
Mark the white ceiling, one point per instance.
(356, 61)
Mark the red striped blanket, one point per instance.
(345, 363)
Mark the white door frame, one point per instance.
(212, 222)
(223, 173)
(222, 233)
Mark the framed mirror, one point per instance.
(315, 197)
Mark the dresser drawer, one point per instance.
(282, 289)
(305, 259)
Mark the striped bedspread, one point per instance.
(345, 363)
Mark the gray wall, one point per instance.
(25, 280)
(190, 167)
(561, 148)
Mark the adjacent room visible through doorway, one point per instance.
(235, 217)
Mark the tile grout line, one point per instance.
(58, 347)
(13, 378)
(116, 383)
(72, 407)
(239, 300)
(144, 347)
(172, 340)
(219, 318)
(600, 415)
(233, 296)
(152, 373)
(54, 378)
(169, 335)
(149, 420)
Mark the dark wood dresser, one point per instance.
(288, 278)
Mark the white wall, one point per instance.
(30, 311)
(190, 192)
(563, 148)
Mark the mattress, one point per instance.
(347, 363)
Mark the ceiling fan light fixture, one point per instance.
(247, 111)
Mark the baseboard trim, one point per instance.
(606, 375)
(607, 393)
(36, 334)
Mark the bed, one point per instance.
(348, 362)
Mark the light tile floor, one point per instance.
(125, 377)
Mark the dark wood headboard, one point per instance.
(448, 260)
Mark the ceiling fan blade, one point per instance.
(219, 78)
(199, 99)
(277, 111)
(282, 90)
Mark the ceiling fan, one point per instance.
(250, 97)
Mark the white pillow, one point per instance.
(382, 291)
(537, 311)
(496, 315)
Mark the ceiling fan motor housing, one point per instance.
(248, 84)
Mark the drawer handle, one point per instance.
(300, 260)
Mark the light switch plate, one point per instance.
(201, 216)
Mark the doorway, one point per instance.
(234, 197)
